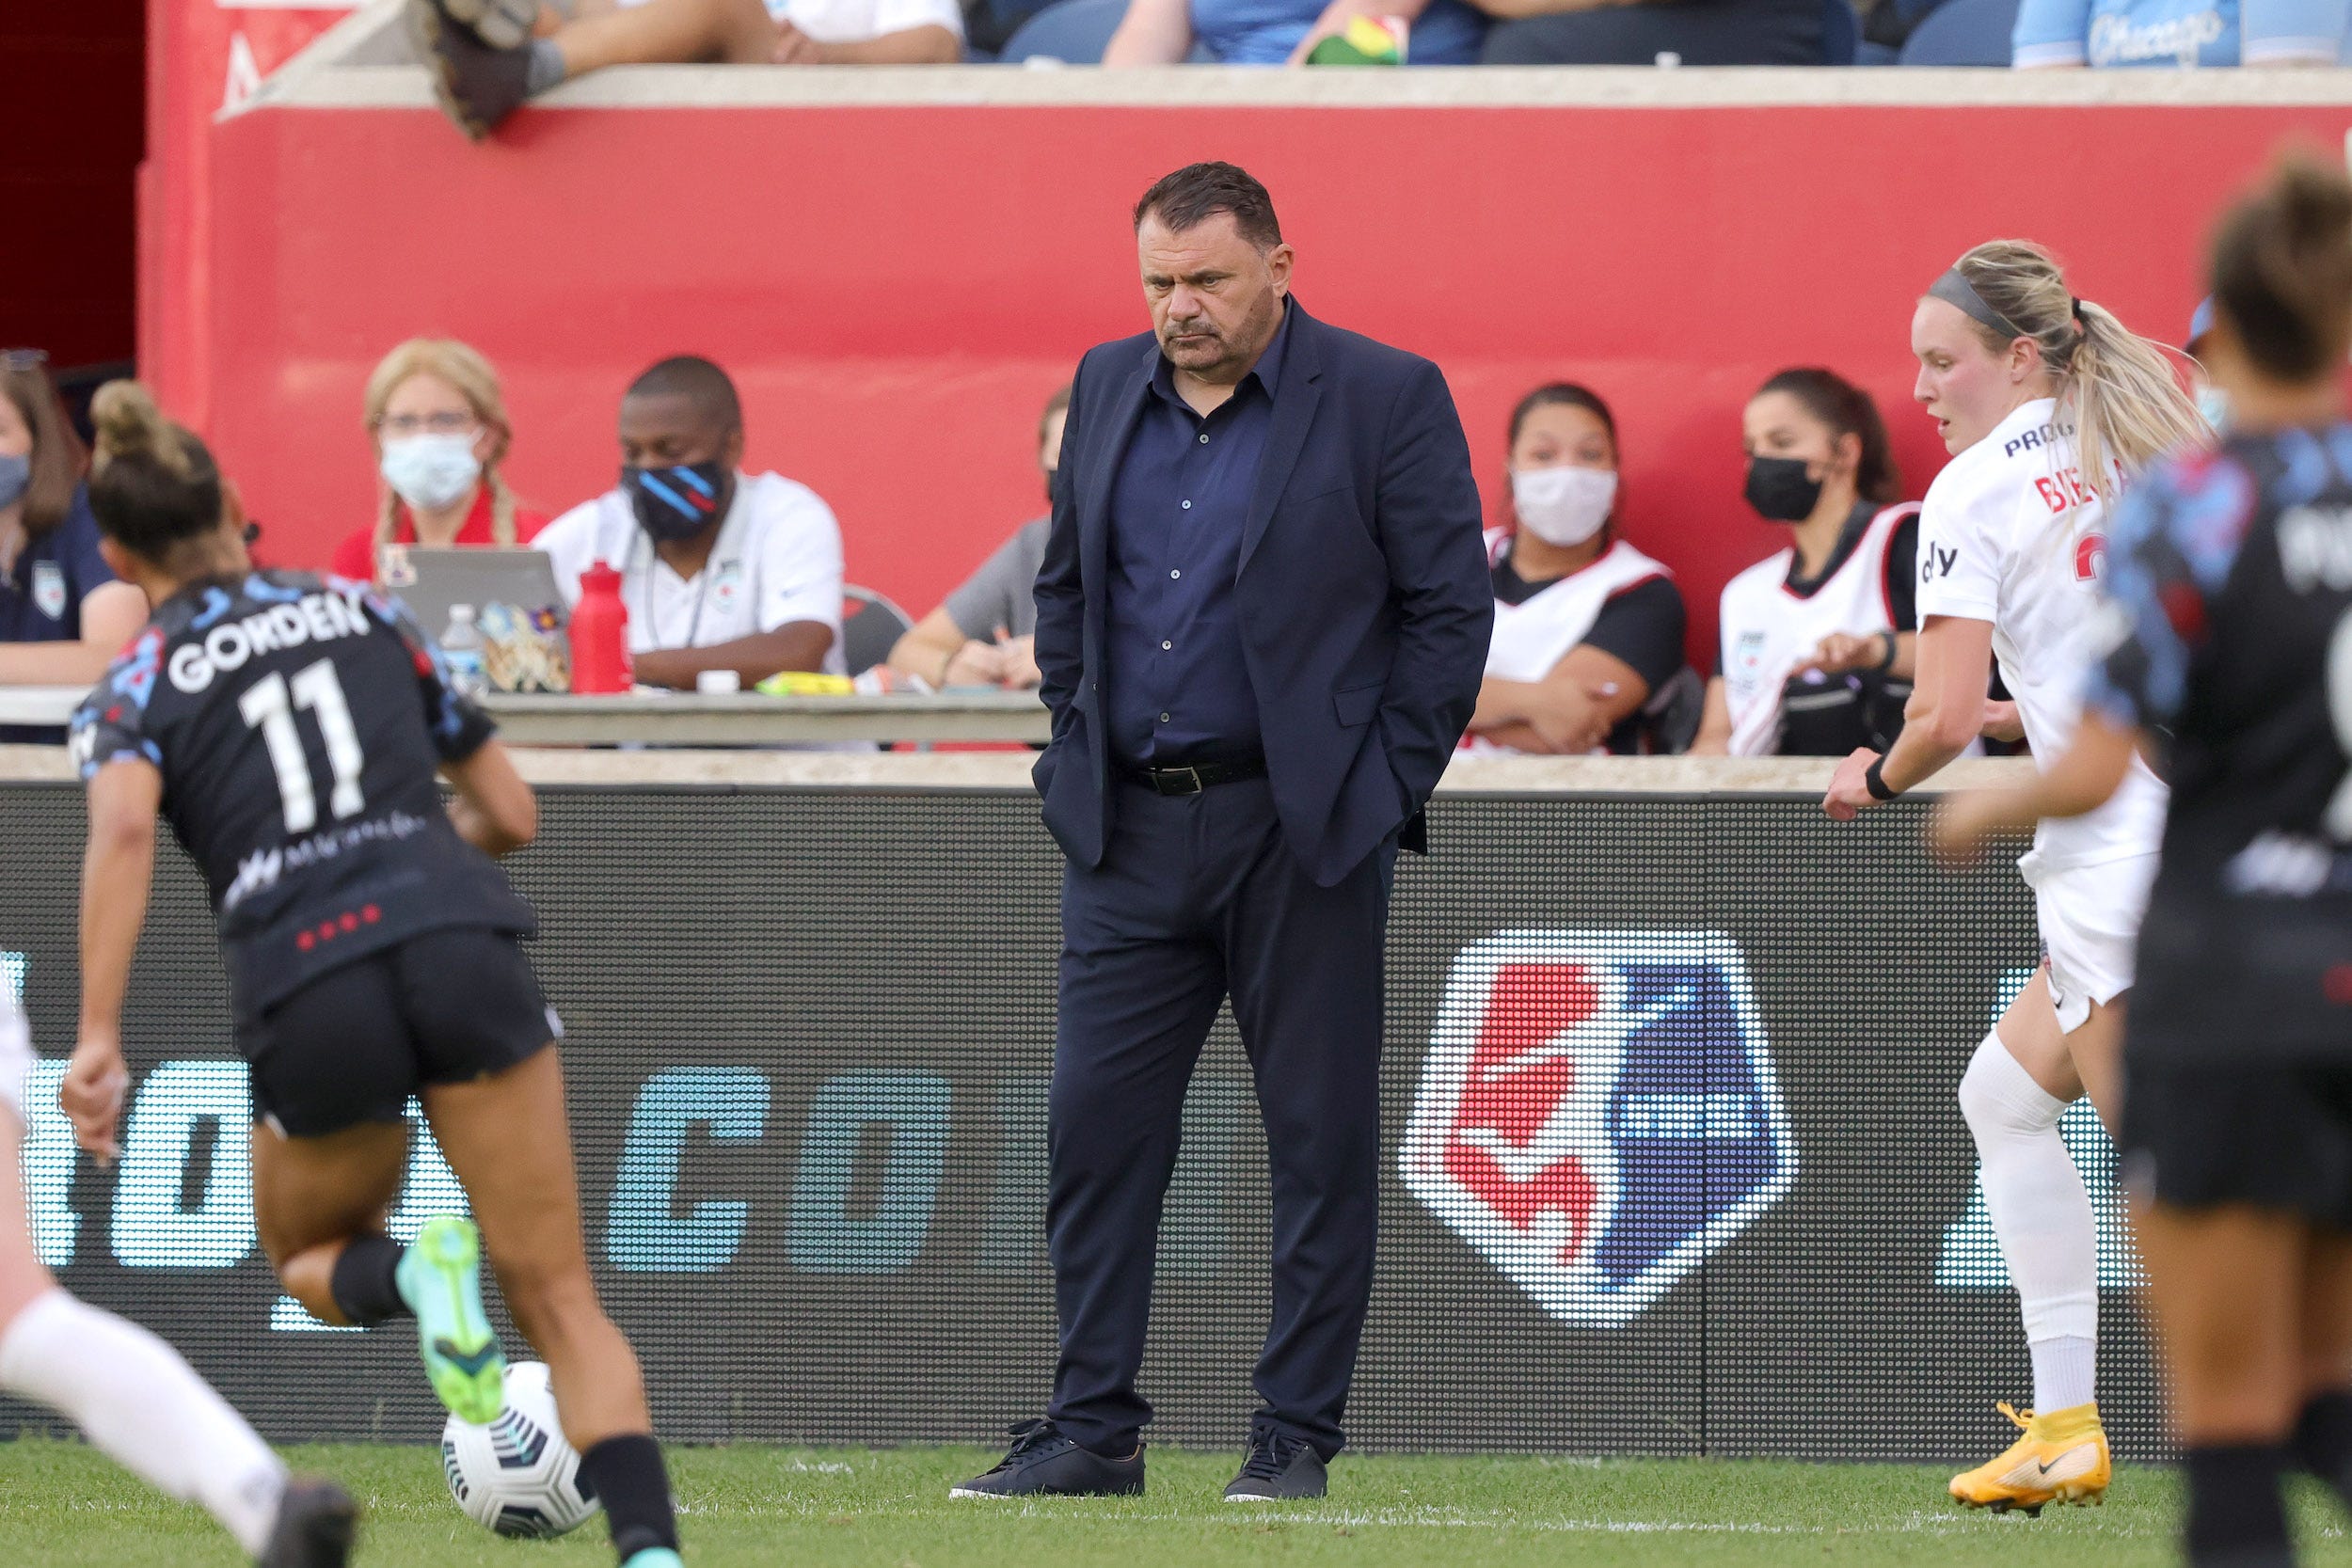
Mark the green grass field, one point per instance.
(60, 1503)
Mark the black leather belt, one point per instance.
(1196, 778)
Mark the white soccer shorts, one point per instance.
(2089, 917)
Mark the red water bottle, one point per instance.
(600, 633)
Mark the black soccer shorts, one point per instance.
(353, 1044)
(2270, 1135)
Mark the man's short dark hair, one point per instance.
(699, 382)
(1200, 191)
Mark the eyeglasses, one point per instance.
(398, 425)
(24, 359)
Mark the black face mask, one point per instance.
(678, 502)
(1780, 490)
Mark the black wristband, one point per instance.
(1875, 782)
(1889, 662)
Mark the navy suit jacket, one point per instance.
(1363, 595)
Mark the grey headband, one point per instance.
(1958, 292)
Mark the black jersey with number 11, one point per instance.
(2229, 583)
(298, 722)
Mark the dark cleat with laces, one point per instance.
(1044, 1461)
(1280, 1468)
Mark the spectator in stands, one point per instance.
(985, 633)
(1271, 32)
(489, 57)
(1587, 628)
(439, 422)
(2055, 33)
(1816, 638)
(1641, 32)
(62, 614)
(720, 570)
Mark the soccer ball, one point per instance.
(518, 1476)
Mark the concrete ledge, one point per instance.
(1009, 771)
(362, 63)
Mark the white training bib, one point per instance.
(1532, 637)
(1767, 629)
(2012, 532)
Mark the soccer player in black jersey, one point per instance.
(290, 727)
(2231, 634)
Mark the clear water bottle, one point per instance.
(461, 650)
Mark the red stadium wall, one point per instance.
(898, 289)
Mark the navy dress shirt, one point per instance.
(1179, 687)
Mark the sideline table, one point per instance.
(696, 719)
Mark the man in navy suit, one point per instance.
(1261, 620)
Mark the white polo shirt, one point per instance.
(777, 560)
(858, 20)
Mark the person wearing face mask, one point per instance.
(720, 569)
(62, 614)
(1587, 628)
(1816, 638)
(2213, 402)
(439, 420)
(2049, 405)
(985, 633)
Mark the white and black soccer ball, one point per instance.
(518, 1476)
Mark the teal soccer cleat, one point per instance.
(440, 1278)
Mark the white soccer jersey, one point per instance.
(1533, 636)
(2013, 533)
(1766, 630)
(777, 560)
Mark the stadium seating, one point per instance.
(1962, 33)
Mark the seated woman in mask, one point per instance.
(1587, 628)
(1816, 638)
(62, 614)
(439, 420)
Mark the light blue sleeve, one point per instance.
(2291, 32)
(2050, 32)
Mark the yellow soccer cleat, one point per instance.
(2061, 1458)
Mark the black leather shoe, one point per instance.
(316, 1522)
(476, 85)
(1280, 1468)
(1043, 1463)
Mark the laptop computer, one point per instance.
(518, 607)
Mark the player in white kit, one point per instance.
(131, 1394)
(2048, 404)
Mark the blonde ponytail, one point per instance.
(2118, 389)
(153, 485)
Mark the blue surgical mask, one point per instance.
(16, 477)
(2214, 403)
(430, 471)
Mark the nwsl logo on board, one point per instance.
(1598, 1114)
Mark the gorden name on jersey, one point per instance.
(2229, 632)
(298, 722)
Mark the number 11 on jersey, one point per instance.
(269, 706)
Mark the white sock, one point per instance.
(2041, 1216)
(2065, 1372)
(146, 1409)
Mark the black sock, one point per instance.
(628, 1477)
(364, 1282)
(2237, 1517)
(2323, 1440)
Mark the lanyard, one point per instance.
(701, 592)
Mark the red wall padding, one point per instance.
(898, 288)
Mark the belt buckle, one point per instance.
(1191, 778)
